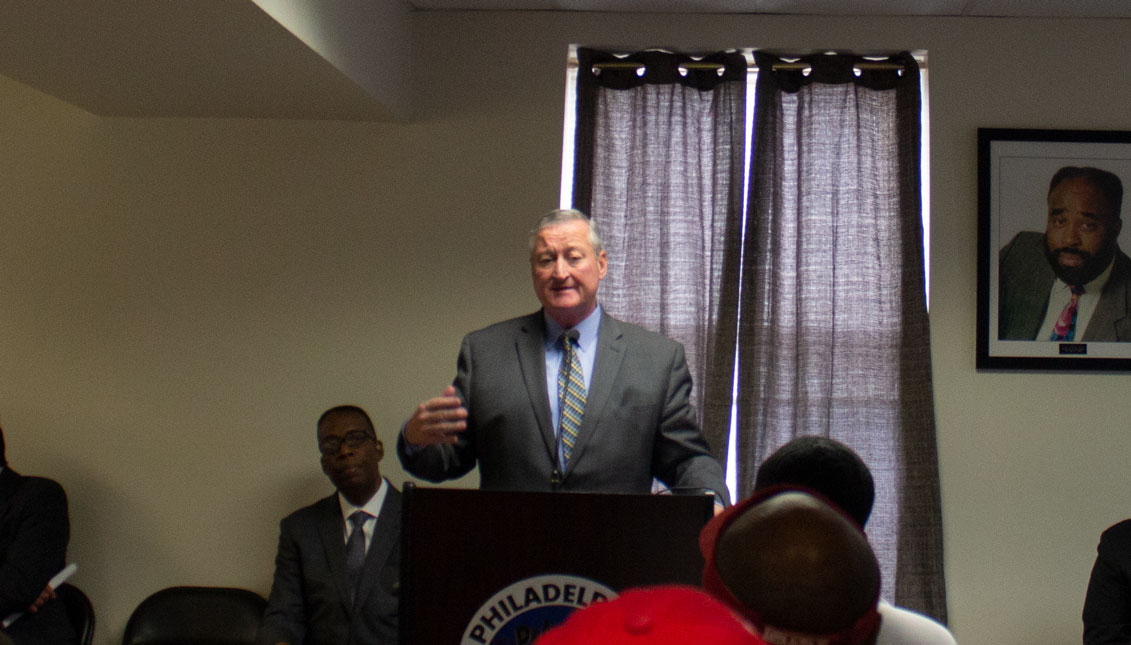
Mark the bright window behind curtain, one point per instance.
(565, 199)
(832, 338)
(660, 167)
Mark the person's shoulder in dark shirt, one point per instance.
(1107, 606)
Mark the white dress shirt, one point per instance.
(373, 507)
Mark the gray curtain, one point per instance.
(659, 166)
(833, 338)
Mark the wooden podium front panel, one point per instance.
(460, 547)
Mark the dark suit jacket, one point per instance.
(34, 531)
(638, 421)
(1025, 279)
(1107, 606)
(309, 601)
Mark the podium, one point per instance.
(481, 567)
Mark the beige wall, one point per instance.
(179, 299)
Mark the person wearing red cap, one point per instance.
(662, 615)
(798, 568)
(831, 469)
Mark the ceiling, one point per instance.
(174, 58)
(279, 58)
(1012, 8)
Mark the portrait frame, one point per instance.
(1015, 167)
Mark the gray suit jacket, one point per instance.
(638, 421)
(309, 601)
(1025, 279)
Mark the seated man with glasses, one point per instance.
(338, 566)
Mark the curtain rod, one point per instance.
(877, 65)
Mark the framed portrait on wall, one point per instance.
(1054, 277)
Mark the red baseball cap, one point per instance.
(662, 615)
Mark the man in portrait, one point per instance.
(1072, 282)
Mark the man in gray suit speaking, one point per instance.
(567, 398)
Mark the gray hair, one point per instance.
(563, 215)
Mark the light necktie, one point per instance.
(355, 552)
(1065, 327)
(571, 395)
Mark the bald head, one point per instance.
(799, 565)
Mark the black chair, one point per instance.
(79, 611)
(196, 616)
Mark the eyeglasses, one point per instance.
(353, 440)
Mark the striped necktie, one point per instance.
(571, 395)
